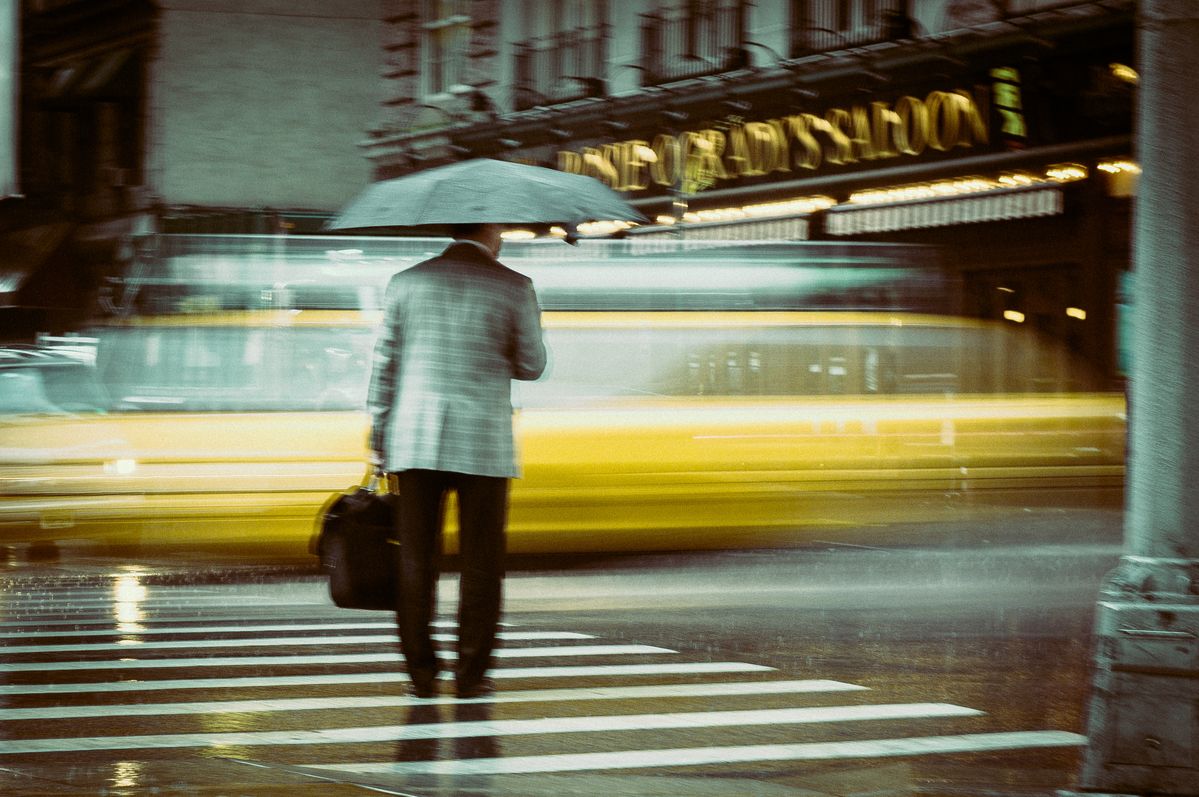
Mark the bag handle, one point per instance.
(375, 476)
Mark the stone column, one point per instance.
(1144, 708)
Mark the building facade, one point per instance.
(138, 116)
(1000, 131)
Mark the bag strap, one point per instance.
(374, 477)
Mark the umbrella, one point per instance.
(484, 190)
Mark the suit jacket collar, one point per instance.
(468, 250)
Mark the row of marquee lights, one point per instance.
(914, 192)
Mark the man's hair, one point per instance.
(465, 230)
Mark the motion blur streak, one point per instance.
(733, 395)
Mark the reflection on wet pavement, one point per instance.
(833, 670)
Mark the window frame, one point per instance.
(445, 40)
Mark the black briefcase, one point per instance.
(358, 548)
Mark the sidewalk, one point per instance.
(225, 777)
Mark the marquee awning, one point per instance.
(791, 228)
(1001, 205)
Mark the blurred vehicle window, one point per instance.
(193, 367)
(232, 330)
(196, 368)
(48, 384)
(796, 357)
(22, 391)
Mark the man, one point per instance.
(456, 330)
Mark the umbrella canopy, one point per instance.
(484, 190)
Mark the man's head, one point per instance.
(486, 234)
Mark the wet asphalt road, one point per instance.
(893, 660)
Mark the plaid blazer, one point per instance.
(456, 330)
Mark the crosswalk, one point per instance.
(289, 680)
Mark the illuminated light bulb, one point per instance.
(1124, 72)
(1014, 179)
(1116, 167)
(603, 227)
(1066, 172)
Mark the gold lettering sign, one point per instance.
(698, 159)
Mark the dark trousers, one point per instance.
(482, 518)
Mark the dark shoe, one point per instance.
(422, 690)
(479, 689)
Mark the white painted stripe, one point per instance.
(139, 629)
(732, 688)
(56, 602)
(696, 756)
(118, 584)
(575, 671)
(150, 621)
(98, 581)
(47, 601)
(264, 642)
(383, 657)
(462, 730)
(134, 646)
(163, 601)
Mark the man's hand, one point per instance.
(376, 460)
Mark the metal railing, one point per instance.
(819, 26)
(823, 25)
(566, 66)
(700, 39)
